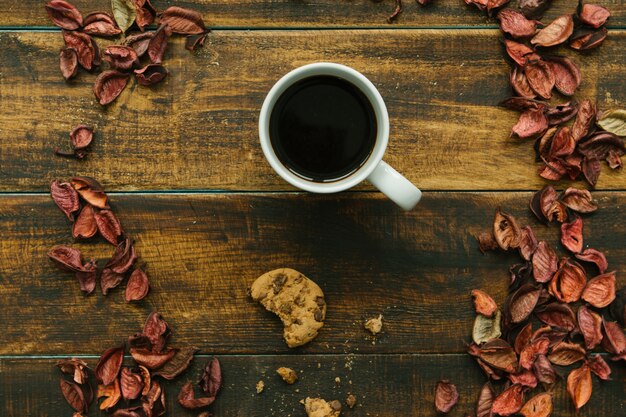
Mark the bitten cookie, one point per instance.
(317, 407)
(297, 300)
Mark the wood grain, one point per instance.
(198, 130)
(385, 385)
(204, 251)
(328, 13)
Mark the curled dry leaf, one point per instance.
(561, 113)
(187, 398)
(83, 45)
(151, 360)
(545, 262)
(598, 366)
(446, 396)
(516, 24)
(87, 277)
(529, 353)
(590, 325)
(579, 200)
(65, 197)
(486, 328)
(397, 10)
(526, 378)
(593, 15)
(579, 386)
(211, 379)
(565, 354)
(572, 235)
(109, 365)
(528, 243)
(544, 371)
(111, 394)
(519, 83)
(121, 57)
(124, 13)
(568, 282)
(123, 258)
(178, 363)
(613, 121)
(68, 62)
(533, 8)
(145, 13)
(600, 291)
(183, 21)
(600, 144)
(138, 286)
(614, 340)
(557, 315)
(540, 77)
(145, 378)
(193, 42)
(523, 302)
(510, 401)
(158, 43)
(64, 14)
(66, 258)
(563, 143)
(73, 394)
(556, 32)
(506, 231)
(154, 402)
(108, 225)
(523, 338)
(151, 74)
(521, 104)
(100, 24)
(499, 355)
(157, 331)
(109, 85)
(76, 367)
(126, 412)
(566, 74)
(585, 39)
(591, 170)
(584, 119)
(520, 53)
(531, 123)
(81, 137)
(85, 225)
(131, 384)
(483, 303)
(495, 4)
(617, 309)
(91, 191)
(139, 42)
(485, 401)
(538, 406)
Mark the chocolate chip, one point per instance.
(318, 315)
(279, 281)
(320, 301)
(285, 308)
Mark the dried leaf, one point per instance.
(590, 325)
(598, 366)
(556, 32)
(76, 367)
(495, 4)
(563, 143)
(145, 13)
(73, 395)
(178, 364)
(211, 380)
(65, 197)
(544, 371)
(81, 137)
(111, 393)
(68, 62)
(183, 21)
(506, 231)
(124, 13)
(593, 15)
(123, 258)
(614, 340)
(131, 384)
(591, 170)
(121, 57)
(446, 396)
(557, 315)
(579, 386)
(87, 277)
(613, 121)
(519, 83)
(109, 365)
(187, 398)
(528, 243)
(157, 331)
(521, 104)
(499, 354)
(572, 235)
(108, 225)
(483, 303)
(91, 191)
(533, 8)
(66, 258)
(600, 144)
(520, 53)
(151, 74)
(193, 42)
(530, 352)
(109, 85)
(584, 39)
(544, 262)
(154, 402)
(566, 74)
(101, 24)
(83, 45)
(538, 406)
(64, 15)
(486, 328)
(85, 225)
(138, 286)
(158, 43)
(516, 24)
(584, 119)
(594, 256)
(510, 401)
(600, 291)
(139, 42)
(523, 338)
(561, 113)
(565, 354)
(525, 378)
(110, 279)
(579, 200)
(151, 360)
(145, 378)
(540, 77)
(568, 282)
(523, 302)
(396, 11)
(531, 123)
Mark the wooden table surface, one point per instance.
(188, 181)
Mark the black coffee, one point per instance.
(323, 128)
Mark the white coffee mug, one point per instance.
(374, 169)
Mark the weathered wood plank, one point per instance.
(385, 385)
(282, 13)
(204, 251)
(198, 130)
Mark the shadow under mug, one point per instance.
(374, 169)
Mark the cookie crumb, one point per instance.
(375, 325)
(317, 407)
(287, 374)
(337, 380)
(351, 400)
(260, 386)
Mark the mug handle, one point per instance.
(391, 183)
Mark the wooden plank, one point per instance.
(385, 385)
(198, 130)
(204, 251)
(328, 13)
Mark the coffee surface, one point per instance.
(323, 128)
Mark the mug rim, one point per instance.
(359, 81)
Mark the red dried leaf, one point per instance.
(556, 32)
(599, 145)
(579, 386)
(68, 62)
(138, 286)
(157, 331)
(154, 401)
(87, 277)
(525, 378)
(572, 235)
(584, 119)
(545, 262)
(593, 15)
(499, 354)
(109, 365)
(446, 396)
(85, 225)
(66, 258)
(523, 338)
(566, 74)
(151, 360)
(565, 354)
(529, 354)
(81, 137)
(568, 282)
(523, 302)
(614, 340)
(139, 42)
(109, 85)
(111, 393)
(211, 380)
(486, 242)
(178, 364)
(183, 21)
(563, 143)
(521, 104)
(84, 46)
(396, 11)
(561, 113)
(73, 394)
(528, 243)
(121, 57)
(485, 401)
(109, 279)
(584, 39)
(123, 258)
(64, 15)
(76, 367)
(531, 123)
(579, 200)
(533, 8)
(557, 315)
(510, 401)
(91, 191)
(101, 24)
(483, 303)
(520, 53)
(108, 225)
(516, 24)
(590, 325)
(151, 74)
(538, 406)
(506, 231)
(519, 83)
(131, 384)
(540, 77)
(145, 13)
(544, 371)
(158, 43)
(145, 378)
(594, 256)
(187, 398)
(495, 4)
(591, 170)
(598, 366)
(614, 159)
(193, 42)
(600, 291)
(65, 197)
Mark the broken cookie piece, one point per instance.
(351, 400)
(375, 325)
(287, 374)
(298, 302)
(260, 386)
(317, 407)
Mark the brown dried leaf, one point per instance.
(591, 170)
(572, 235)
(152, 360)
(101, 24)
(65, 197)
(510, 401)
(523, 302)
(85, 225)
(84, 46)
(81, 137)
(523, 338)
(519, 83)
(579, 386)
(187, 398)
(545, 262)
(183, 21)
(138, 286)
(529, 354)
(593, 15)
(526, 378)
(157, 331)
(124, 13)
(499, 354)
(613, 121)
(485, 401)
(600, 290)
(486, 328)
(584, 119)
(123, 258)
(111, 393)
(506, 231)
(579, 200)
(108, 226)
(109, 365)
(91, 191)
(614, 340)
(495, 4)
(598, 366)
(516, 24)
(521, 104)
(520, 53)
(561, 113)
(87, 277)
(145, 13)
(76, 367)
(533, 8)
(544, 371)
(131, 384)
(211, 380)
(585, 39)
(531, 123)
(568, 282)
(154, 402)
(556, 32)
(566, 74)
(446, 396)
(73, 394)
(483, 303)
(178, 364)
(601, 145)
(565, 354)
(121, 57)
(557, 315)
(538, 406)
(158, 43)
(66, 258)
(109, 85)
(540, 77)
(151, 74)
(590, 325)
(64, 14)
(528, 243)
(563, 143)
(397, 10)
(68, 62)
(193, 42)
(145, 378)
(139, 42)
(126, 412)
